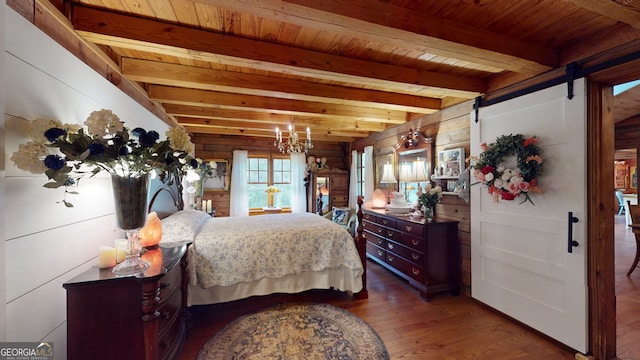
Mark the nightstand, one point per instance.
(133, 317)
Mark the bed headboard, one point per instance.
(165, 195)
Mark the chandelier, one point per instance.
(292, 144)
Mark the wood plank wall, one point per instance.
(222, 147)
(450, 129)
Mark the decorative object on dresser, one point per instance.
(327, 188)
(425, 254)
(134, 317)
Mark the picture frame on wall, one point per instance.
(219, 181)
(451, 162)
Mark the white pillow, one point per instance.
(183, 225)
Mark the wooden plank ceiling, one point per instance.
(343, 68)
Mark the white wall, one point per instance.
(45, 242)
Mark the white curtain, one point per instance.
(298, 195)
(239, 196)
(353, 181)
(369, 182)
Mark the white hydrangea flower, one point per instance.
(29, 157)
(179, 139)
(37, 128)
(103, 122)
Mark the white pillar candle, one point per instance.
(209, 204)
(106, 257)
(204, 205)
(121, 249)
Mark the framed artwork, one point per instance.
(451, 162)
(220, 179)
(634, 176)
(381, 161)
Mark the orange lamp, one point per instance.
(379, 199)
(151, 234)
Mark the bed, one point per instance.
(232, 258)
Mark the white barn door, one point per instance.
(520, 260)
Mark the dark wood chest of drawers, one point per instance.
(425, 254)
(134, 317)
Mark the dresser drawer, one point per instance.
(169, 343)
(410, 227)
(371, 226)
(377, 240)
(340, 199)
(369, 217)
(390, 223)
(375, 251)
(409, 254)
(410, 269)
(410, 241)
(169, 312)
(169, 282)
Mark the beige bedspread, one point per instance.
(233, 250)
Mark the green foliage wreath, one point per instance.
(504, 183)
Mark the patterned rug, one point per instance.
(306, 331)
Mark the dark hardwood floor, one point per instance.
(627, 294)
(447, 327)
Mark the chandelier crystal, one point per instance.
(292, 144)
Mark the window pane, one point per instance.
(257, 195)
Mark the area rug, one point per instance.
(306, 331)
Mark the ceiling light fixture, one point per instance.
(292, 144)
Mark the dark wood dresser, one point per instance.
(425, 254)
(135, 317)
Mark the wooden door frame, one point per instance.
(600, 203)
(600, 229)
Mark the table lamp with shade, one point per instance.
(388, 178)
(419, 173)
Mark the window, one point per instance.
(360, 174)
(265, 170)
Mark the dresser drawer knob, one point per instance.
(380, 230)
(415, 242)
(380, 241)
(390, 234)
(380, 253)
(385, 222)
(415, 256)
(165, 315)
(408, 228)
(415, 271)
(390, 246)
(390, 259)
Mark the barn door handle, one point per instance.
(570, 242)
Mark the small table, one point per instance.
(636, 232)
